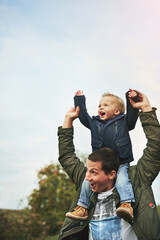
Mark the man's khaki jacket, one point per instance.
(146, 220)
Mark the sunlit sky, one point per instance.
(49, 50)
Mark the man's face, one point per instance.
(99, 181)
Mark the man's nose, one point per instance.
(88, 177)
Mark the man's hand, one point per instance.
(70, 116)
(79, 93)
(136, 97)
(143, 105)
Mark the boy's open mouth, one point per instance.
(102, 114)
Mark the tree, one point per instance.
(53, 197)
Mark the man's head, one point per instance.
(110, 106)
(102, 166)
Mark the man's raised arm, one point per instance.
(67, 157)
(148, 166)
(70, 116)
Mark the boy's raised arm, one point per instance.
(80, 100)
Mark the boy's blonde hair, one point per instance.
(120, 102)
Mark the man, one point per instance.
(103, 223)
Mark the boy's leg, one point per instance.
(85, 195)
(124, 188)
(81, 211)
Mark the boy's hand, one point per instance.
(134, 95)
(79, 93)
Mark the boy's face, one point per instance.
(99, 181)
(108, 108)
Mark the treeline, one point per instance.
(46, 209)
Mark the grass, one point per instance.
(52, 237)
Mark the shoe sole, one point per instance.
(122, 213)
(76, 217)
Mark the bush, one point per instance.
(21, 225)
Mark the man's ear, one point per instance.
(117, 112)
(112, 174)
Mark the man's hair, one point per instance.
(120, 102)
(110, 160)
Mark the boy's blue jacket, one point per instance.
(113, 133)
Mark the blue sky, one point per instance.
(48, 50)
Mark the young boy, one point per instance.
(109, 129)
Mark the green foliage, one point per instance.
(46, 210)
(53, 197)
(52, 237)
(47, 206)
(158, 208)
(20, 225)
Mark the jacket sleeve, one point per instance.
(131, 114)
(83, 115)
(148, 166)
(67, 157)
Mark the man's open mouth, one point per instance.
(92, 185)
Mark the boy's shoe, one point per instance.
(125, 211)
(78, 213)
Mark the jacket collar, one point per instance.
(116, 197)
(109, 121)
